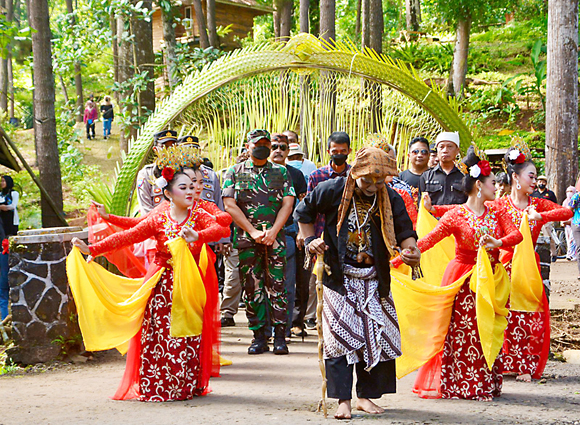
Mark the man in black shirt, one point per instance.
(418, 161)
(444, 182)
(278, 156)
(543, 192)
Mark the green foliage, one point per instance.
(480, 11)
(67, 345)
(540, 69)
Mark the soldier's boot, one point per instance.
(280, 346)
(259, 344)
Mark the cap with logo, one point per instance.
(165, 136)
(295, 149)
(257, 135)
(189, 140)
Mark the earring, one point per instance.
(171, 204)
(518, 185)
(479, 193)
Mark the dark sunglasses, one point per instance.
(282, 147)
(423, 151)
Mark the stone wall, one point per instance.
(43, 312)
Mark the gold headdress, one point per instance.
(519, 154)
(170, 160)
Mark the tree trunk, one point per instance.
(170, 42)
(77, 68)
(376, 25)
(412, 14)
(200, 18)
(4, 72)
(10, 87)
(211, 25)
(285, 14)
(115, 43)
(45, 121)
(276, 19)
(304, 16)
(63, 87)
(145, 59)
(126, 72)
(365, 23)
(562, 96)
(460, 54)
(327, 79)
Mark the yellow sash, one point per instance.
(491, 294)
(527, 286)
(111, 307)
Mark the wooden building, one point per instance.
(239, 14)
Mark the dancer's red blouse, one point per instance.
(468, 228)
(159, 225)
(547, 209)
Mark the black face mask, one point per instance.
(261, 152)
(338, 159)
(541, 186)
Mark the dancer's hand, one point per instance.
(317, 246)
(411, 256)
(101, 210)
(533, 215)
(489, 242)
(189, 234)
(427, 202)
(80, 244)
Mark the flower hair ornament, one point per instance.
(174, 158)
(482, 168)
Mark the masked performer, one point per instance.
(527, 339)
(462, 371)
(162, 317)
(364, 222)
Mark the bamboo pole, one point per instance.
(319, 270)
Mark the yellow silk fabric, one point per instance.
(435, 260)
(491, 294)
(189, 295)
(527, 286)
(424, 312)
(110, 307)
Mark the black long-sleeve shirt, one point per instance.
(325, 199)
(443, 188)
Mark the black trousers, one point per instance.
(380, 380)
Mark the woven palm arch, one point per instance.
(195, 104)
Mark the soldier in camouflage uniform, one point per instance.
(259, 196)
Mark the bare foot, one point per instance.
(526, 377)
(485, 399)
(368, 406)
(343, 411)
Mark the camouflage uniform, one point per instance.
(258, 192)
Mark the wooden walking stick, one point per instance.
(318, 271)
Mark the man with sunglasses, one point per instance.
(418, 161)
(280, 151)
(259, 196)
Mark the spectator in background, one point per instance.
(296, 155)
(90, 117)
(542, 191)
(418, 161)
(574, 205)
(108, 116)
(444, 182)
(502, 185)
(278, 156)
(9, 206)
(572, 252)
(4, 269)
(433, 160)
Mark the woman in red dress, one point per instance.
(161, 367)
(464, 372)
(527, 337)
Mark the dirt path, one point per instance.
(270, 389)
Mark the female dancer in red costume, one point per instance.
(161, 367)
(527, 337)
(464, 372)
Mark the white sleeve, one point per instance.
(14, 203)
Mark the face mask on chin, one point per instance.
(339, 159)
(261, 152)
(295, 164)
